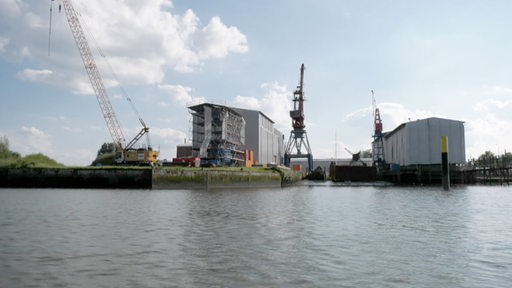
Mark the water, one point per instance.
(308, 236)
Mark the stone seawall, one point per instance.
(210, 178)
(145, 178)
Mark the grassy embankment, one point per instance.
(30, 161)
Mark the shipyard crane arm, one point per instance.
(94, 75)
(143, 131)
(297, 114)
(355, 156)
(351, 153)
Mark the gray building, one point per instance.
(419, 142)
(262, 137)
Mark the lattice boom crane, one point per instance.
(126, 153)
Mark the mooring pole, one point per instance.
(445, 169)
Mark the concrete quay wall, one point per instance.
(209, 178)
(144, 177)
(75, 178)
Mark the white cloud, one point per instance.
(32, 140)
(396, 114)
(499, 90)
(25, 52)
(244, 102)
(491, 104)
(35, 21)
(80, 84)
(57, 118)
(487, 133)
(11, 8)
(129, 69)
(392, 114)
(76, 157)
(3, 44)
(217, 40)
(167, 139)
(33, 75)
(168, 133)
(142, 40)
(147, 38)
(275, 103)
(181, 94)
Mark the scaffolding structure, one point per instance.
(218, 132)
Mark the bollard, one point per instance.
(445, 170)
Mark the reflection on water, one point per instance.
(307, 236)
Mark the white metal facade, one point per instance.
(262, 137)
(419, 142)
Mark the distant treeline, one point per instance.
(12, 159)
(491, 160)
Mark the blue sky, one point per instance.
(447, 59)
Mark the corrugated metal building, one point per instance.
(262, 137)
(419, 142)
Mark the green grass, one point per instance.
(30, 161)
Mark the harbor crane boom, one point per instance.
(123, 153)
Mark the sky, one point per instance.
(437, 58)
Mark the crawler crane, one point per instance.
(125, 153)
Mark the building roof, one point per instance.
(254, 111)
(401, 126)
(200, 108)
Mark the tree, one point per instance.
(13, 159)
(106, 148)
(506, 159)
(4, 148)
(5, 152)
(106, 155)
(487, 159)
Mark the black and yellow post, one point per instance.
(445, 170)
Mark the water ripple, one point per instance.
(311, 236)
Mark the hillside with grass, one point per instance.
(12, 159)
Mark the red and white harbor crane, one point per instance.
(298, 136)
(378, 141)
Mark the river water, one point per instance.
(314, 235)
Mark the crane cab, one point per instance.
(137, 156)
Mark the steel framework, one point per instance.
(378, 143)
(94, 75)
(298, 136)
(218, 134)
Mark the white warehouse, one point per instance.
(419, 142)
(262, 137)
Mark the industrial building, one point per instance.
(224, 135)
(218, 134)
(419, 142)
(261, 137)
